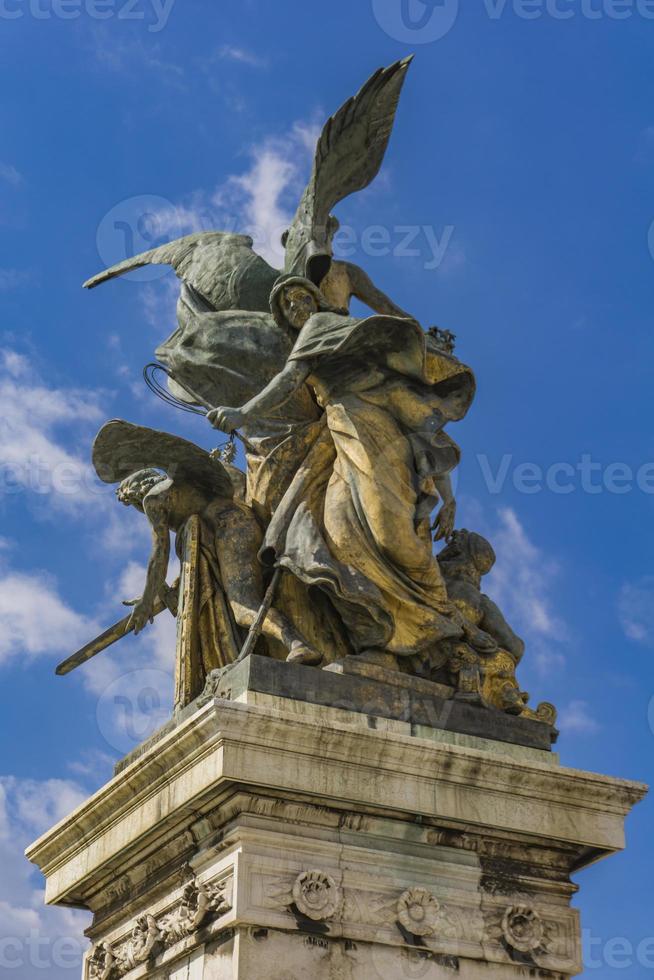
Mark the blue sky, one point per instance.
(522, 161)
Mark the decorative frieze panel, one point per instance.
(200, 903)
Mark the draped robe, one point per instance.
(348, 524)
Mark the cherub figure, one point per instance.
(490, 676)
(195, 483)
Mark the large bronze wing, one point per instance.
(222, 267)
(122, 449)
(348, 157)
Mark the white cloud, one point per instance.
(521, 583)
(34, 619)
(35, 805)
(131, 682)
(160, 305)
(259, 202)
(576, 719)
(35, 939)
(10, 175)
(94, 764)
(36, 418)
(635, 604)
(241, 55)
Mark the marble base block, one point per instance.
(268, 837)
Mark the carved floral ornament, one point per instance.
(316, 895)
(418, 912)
(150, 936)
(523, 929)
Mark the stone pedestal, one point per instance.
(265, 836)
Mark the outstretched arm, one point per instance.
(278, 391)
(156, 509)
(365, 290)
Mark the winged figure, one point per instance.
(172, 481)
(223, 270)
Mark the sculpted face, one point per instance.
(298, 306)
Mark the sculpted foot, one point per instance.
(303, 654)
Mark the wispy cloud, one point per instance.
(635, 604)
(134, 677)
(242, 56)
(34, 619)
(522, 584)
(260, 201)
(131, 56)
(160, 304)
(10, 175)
(37, 422)
(50, 941)
(13, 278)
(576, 719)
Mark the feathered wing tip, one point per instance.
(354, 140)
(349, 155)
(122, 449)
(181, 254)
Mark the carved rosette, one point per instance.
(523, 929)
(418, 912)
(200, 903)
(316, 895)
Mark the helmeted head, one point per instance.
(294, 300)
(135, 488)
(309, 250)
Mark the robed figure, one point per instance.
(351, 522)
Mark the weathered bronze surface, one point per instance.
(323, 548)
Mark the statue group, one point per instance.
(322, 548)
